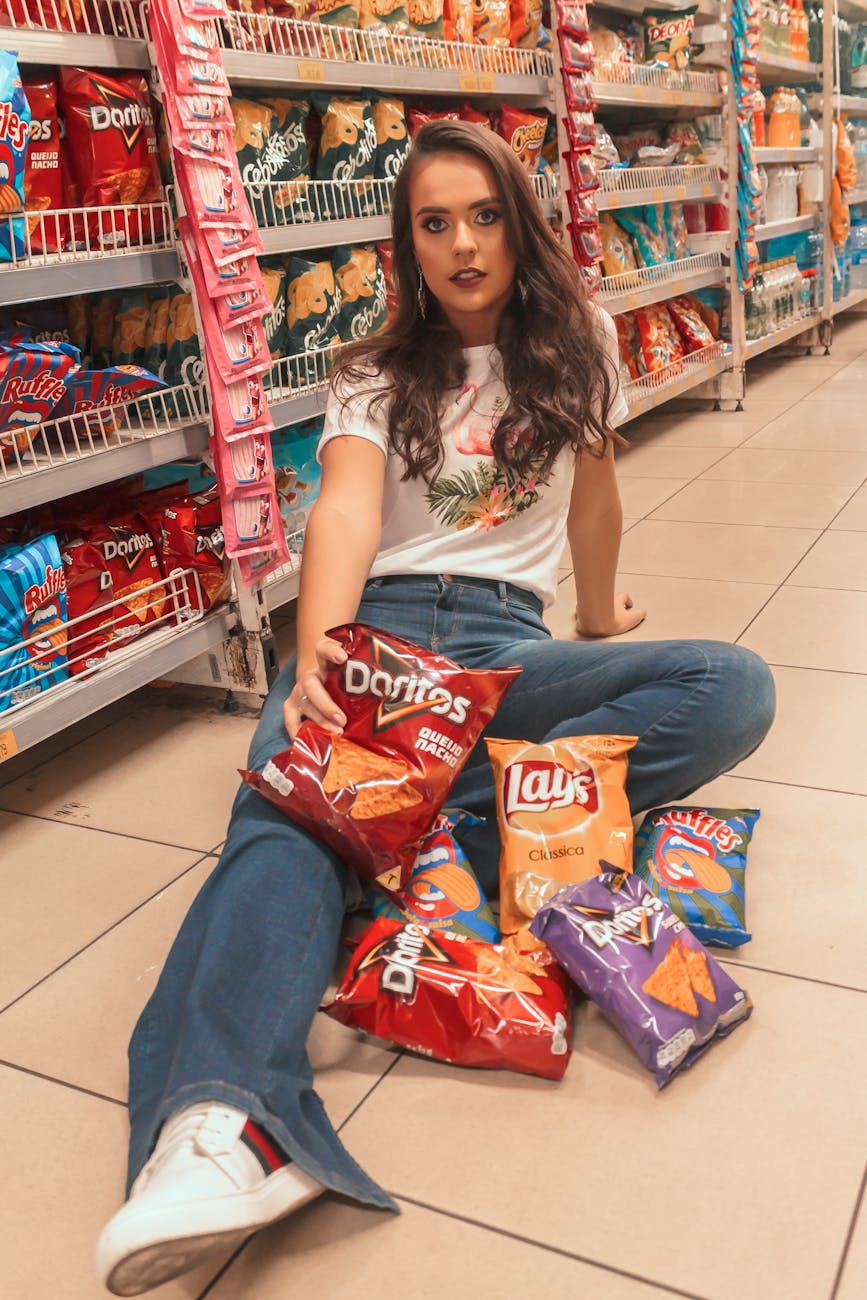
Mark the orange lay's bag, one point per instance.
(561, 809)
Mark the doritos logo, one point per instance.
(400, 954)
(638, 924)
(127, 546)
(538, 786)
(126, 116)
(403, 691)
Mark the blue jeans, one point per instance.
(230, 1016)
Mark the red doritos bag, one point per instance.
(419, 117)
(43, 178)
(412, 719)
(189, 535)
(457, 999)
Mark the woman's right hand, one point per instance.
(309, 698)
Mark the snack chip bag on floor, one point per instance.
(32, 609)
(695, 860)
(630, 954)
(561, 810)
(442, 892)
(14, 128)
(373, 792)
(457, 1000)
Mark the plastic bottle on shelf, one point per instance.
(756, 307)
(784, 119)
(799, 30)
(858, 265)
(759, 104)
(815, 19)
(784, 31)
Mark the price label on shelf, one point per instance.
(487, 83)
(657, 196)
(468, 82)
(677, 288)
(8, 745)
(614, 200)
(681, 192)
(640, 92)
(706, 189)
(311, 70)
(631, 301)
(668, 97)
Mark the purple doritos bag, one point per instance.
(629, 953)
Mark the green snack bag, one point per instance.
(347, 150)
(392, 136)
(668, 36)
(363, 295)
(312, 306)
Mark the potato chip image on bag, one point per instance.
(646, 972)
(561, 809)
(312, 307)
(363, 294)
(392, 135)
(426, 18)
(347, 149)
(384, 16)
(695, 860)
(373, 792)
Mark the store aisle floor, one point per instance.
(742, 1181)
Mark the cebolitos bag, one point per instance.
(363, 293)
(312, 306)
(373, 792)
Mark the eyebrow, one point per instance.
(480, 203)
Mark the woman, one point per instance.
(458, 444)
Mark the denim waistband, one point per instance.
(505, 590)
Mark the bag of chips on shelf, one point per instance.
(14, 128)
(678, 234)
(264, 161)
(573, 17)
(492, 23)
(275, 277)
(43, 178)
(32, 610)
(458, 20)
(130, 328)
(690, 150)
(184, 364)
(629, 142)
(660, 341)
(609, 52)
(419, 117)
(100, 390)
(361, 286)
(312, 306)
(392, 135)
(103, 309)
(385, 253)
(426, 18)
(526, 23)
(32, 379)
(632, 39)
(384, 16)
(297, 472)
(190, 533)
(668, 36)
(651, 248)
(347, 147)
(339, 13)
(524, 132)
(706, 303)
(156, 330)
(618, 254)
(604, 151)
(692, 329)
(469, 113)
(628, 342)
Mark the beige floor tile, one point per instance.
(650, 461)
(853, 515)
(605, 1128)
(717, 551)
(839, 559)
(839, 385)
(65, 1157)
(170, 772)
(787, 505)
(815, 425)
(787, 382)
(769, 465)
(817, 738)
(853, 1281)
(66, 739)
(343, 1252)
(62, 886)
(797, 923)
(641, 495)
(68, 1027)
(708, 429)
(793, 629)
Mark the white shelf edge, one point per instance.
(755, 347)
(50, 482)
(612, 200)
(290, 410)
(154, 657)
(613, 95)
(854, 197)
(851, 300)
(686, 282)
(283, 590)
(769, 65)
(679, 386)
(791, 226)
(73, 49)
(62, 279)
(765, 156)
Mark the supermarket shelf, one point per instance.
(282, 587)
(755, 347)
(706, 8)
(851, 300)
(153, 656)
(111, 35)
(856, 105)
(764, 156)
(262, 50)
(792, 226)
(632, 186)
(62, 279)
(633, 289)
(635, 85)
(291, 408)
(854, 197)
(779, 69)
(652, 390)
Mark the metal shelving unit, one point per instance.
(641, 86)
(755, 347)
(853, 299)
(791, 226)
(636, 186)
(765, 156)
(676, 379)
(111, 34)
(633, 289)
(776, 69)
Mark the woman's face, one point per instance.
(459, 237)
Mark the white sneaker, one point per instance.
(213, 1179)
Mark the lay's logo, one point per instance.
(539, 786)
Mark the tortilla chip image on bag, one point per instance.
(561, 810)
(457, 1000)
(695, 860)
(373, 792)
(654, 981)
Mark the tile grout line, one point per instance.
(103, 830)
(793, 785)
(72, 957)
(371, 1090)
(849, 1236)
(61, 1083)
(551, 1249)
(789, 975)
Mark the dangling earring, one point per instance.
(523, 291)
(422, 301)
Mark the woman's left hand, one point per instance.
(625, 616)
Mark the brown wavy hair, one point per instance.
(555, 366)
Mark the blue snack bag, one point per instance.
(14, 130)
(442, 891)
(695, 860)
(32, 604)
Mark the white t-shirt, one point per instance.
(475, 520)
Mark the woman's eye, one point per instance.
(434, 225)
(488, 216)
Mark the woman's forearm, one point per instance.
(339, 548)
(595, 545)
